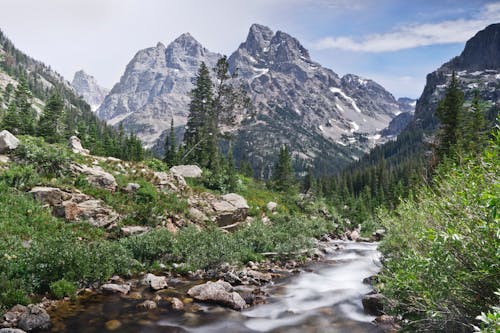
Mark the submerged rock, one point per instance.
(115, 288)
(147, 305)
(11, 330)
(372, 303)
(155, 282)
(113, 325)
(219, 292)
(177, 304)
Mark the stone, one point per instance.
(50, 195)
(196, 215)
(35, 318)
(187, 171)
(256, 275)
(11, 330)
(372, 304)
(229, 209)
(147, 305)
(135, 295)
(8, 142)
(170, 181)
(134, 229)
(12, 316)
(96, 213)
(219, 292)
(378, 234)
(155, 282)
(177, 304)
(76, 146)
(114, 288)
(113, 325)
(387, 323)
(96, 176)
(4, 159)
(132, 187)
(271, 206)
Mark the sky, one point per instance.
(394, 42)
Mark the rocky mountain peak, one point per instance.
(184, 50)
(86, 86)
(258, 39)
(481, 52)
(287, 48)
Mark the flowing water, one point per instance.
(324, 298)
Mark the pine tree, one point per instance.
(232, 179)
(27, 115)
(246, 168)
(171, 146)
(200, 109)
(11, 121)
(49, 125)
(283, 178)
(473, 127)
(449, 112)
(309, 183)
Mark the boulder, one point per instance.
(229, 209)
(177, 304)
(134, 229)
(387, 324)
(93, 212)
(8, 142)
(4, 159)
(378, 234)
(256, 275)
(354, 235)
(50, 195)
(35, 318)
(155, 282)
(11, 317)
(196, 215)
(169, 181)
(271, 206)
(76, 146)
(113, 288)
(132, 187)
(372, 304)
(187, 171)
(96, 176)
(219, 292)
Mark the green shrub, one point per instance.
(22, 177)
(63, 288)
(442, 261)
(150, 246)
(12, 292)
(47, 159)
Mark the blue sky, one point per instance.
(395, 42)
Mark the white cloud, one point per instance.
(415, 35)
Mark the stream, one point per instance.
(326, 297)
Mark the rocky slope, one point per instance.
(155, 87)
(477, 68)
(327, 120)
(86, 86)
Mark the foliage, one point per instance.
(442, 259)
(49, 125)
(63, 288)
(151, 246)
(46, 159)
(21, 177)
(283, 178)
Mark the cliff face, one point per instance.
(86, 86)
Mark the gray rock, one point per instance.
(147, 305)
(50, 195)
(271, 206)
(35, 318)
(76, 146)
(96, 176)
(187, 171)
(115, 288)
(4, 159)
(134, 229)
(11, 330)
(219, 292)
(155, 282)
(230, 208)
(8, 142)
(132, 187)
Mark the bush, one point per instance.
(63, 288)
(49, 160)
(22, 177)
(442, 262)
(151, 246)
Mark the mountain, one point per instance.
(477, 69)
(86, 86)
(155, 87)
(42, 82)
(327, 120)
